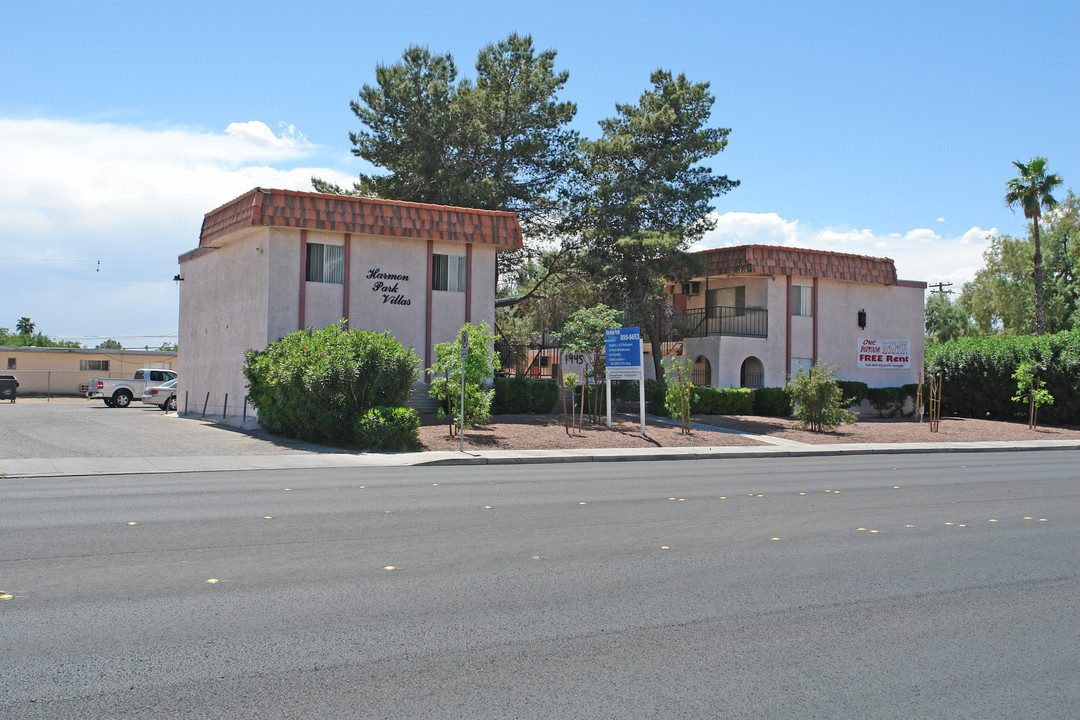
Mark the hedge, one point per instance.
(772, 402)
(721, 401)
(520, 395)
(977, 375)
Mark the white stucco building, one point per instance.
(760, 311)
(274, 261)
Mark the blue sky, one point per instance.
(884, 129)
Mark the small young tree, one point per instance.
(479, 368)
(1031, 388)
(584, 333)
(680, 384)
(818, 400)
(570, 379)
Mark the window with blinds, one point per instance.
(326, 263)
(448, 272)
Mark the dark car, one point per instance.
(8, 385)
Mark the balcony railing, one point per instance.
(732, 321)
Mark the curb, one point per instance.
(97, 467)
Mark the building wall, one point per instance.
(55, 371)
(223, 313)
(894, 312)
(246, 294)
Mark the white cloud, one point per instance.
(744, 228)
(977, 235)
(81, 190)
(941, 219)
(922, 235)
(919, 253)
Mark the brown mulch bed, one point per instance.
(547, 432)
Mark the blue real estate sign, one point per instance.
(622, 353)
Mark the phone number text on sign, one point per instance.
(884, 353)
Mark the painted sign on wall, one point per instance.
(874, 353)
(386, 284)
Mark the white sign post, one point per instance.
(624, 360)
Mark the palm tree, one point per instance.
(1031, 191)
(25, 326)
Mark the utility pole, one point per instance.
(940, 288)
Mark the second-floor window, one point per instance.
(326, 263)
(448, 272)
(802, 300)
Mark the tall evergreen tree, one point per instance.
(499, 143)
(650, 197)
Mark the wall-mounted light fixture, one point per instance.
(862, 319)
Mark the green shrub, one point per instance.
(520, 395)
(678, 374)
(817, 398)
(627, 391)
(772, 402)
(853, 390)
(978, 375)
(316, 384)
(722, 401)
(388, 429)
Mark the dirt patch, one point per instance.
(547, 432)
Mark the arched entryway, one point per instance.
(752, 373)
(702, 374)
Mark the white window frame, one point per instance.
(448, 272)
(94, 365)
(325, 263)
(802, 301)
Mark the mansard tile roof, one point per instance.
(776, 260)
(361, 215)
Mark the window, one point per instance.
(448, 272)
(102, 365)
(11, 364)
(732, 297)
(802, 300)
(326, 263)
(804, 363)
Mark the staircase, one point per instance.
(420, 401)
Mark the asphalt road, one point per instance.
(943, 586)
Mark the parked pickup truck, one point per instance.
(120, 392)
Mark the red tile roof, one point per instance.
(347, 214)
(775, 260)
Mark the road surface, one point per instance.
(943, 586)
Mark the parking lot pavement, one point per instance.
(34, 428)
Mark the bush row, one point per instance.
(519, 395)
(977, 375)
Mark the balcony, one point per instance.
(730, 321)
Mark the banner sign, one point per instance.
(622, 353)
(884, 353)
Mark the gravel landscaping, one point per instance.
(547, 432)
